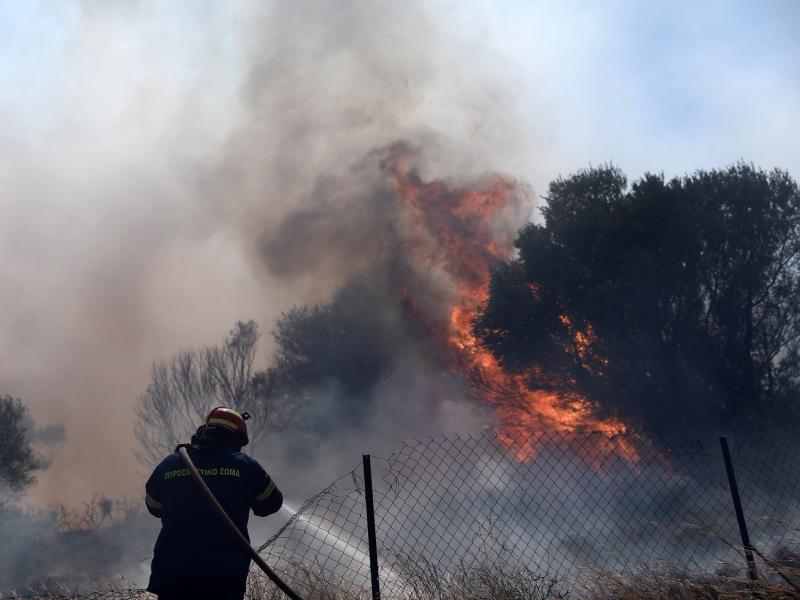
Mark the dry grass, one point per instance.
(424, 581)
(105, 589)
(311, 583)
(661, 586)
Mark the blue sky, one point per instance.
(650, 85)
(660, 85)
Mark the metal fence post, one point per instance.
(373, 546)
(737, 505)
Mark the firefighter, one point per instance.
(195, 556)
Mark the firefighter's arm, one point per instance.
(152, 497)
(268, 499)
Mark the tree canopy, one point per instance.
(663, 301)
(18, 460)
(329, 357)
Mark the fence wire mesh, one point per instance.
(555, 504)
(545, 512)
(555, 507)
(324, 543)
(767, 470)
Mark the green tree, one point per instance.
(666, 301)
(18, 460)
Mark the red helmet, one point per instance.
(229, 419)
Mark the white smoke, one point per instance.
(153, 160)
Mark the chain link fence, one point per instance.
(544, 513)
(325, 543)
(768, 474)
(558, 507)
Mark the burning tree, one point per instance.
(661, 304)
(688, 292)
(463, 231)
(440, 241)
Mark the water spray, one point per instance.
(346, 548)
(353, 551)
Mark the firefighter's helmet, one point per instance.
(229, 419)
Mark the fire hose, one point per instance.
(243, 542)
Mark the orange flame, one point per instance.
(462, 239)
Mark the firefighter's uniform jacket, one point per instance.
(194, 544)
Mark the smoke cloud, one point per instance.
(169, 168)
(194, 168)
